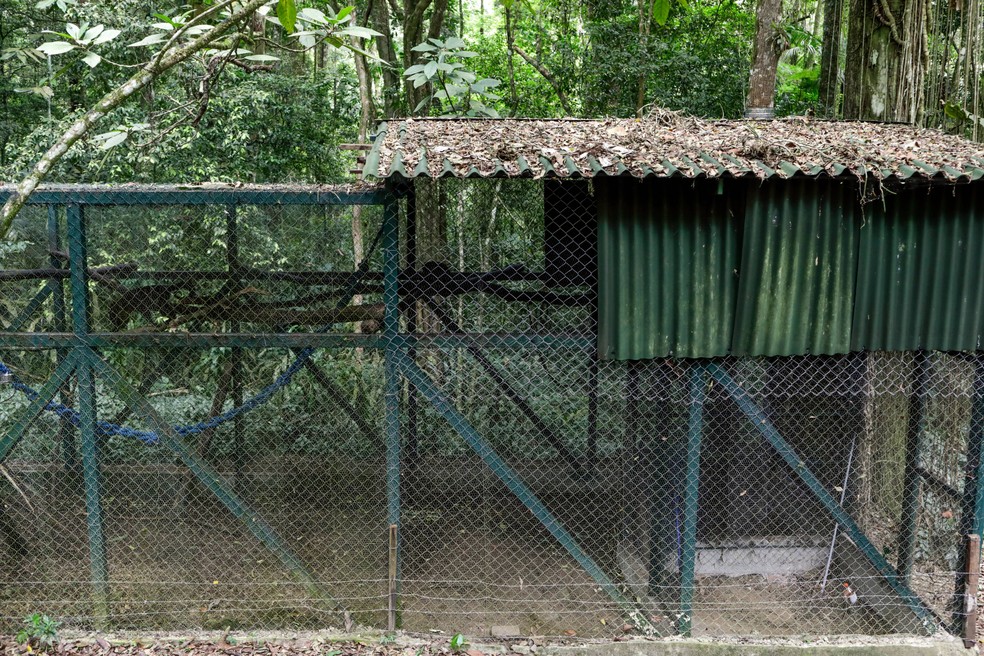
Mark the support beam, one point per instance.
(79, 277)
(691, 489)
(972, 504)
(906, 546)
(211, 479)
(515, 484)
(391, 391)
(849, 526)
(57, 286)
(58, 379)
(521, 404)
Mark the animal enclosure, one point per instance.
(219, 400)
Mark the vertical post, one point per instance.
(391, 614)
(78, 274)
(235, 373)
(688, 560)
(411, 312)
(592, 415)
(972, 504)
(391, 394)
(66, 431)
(913, 452)
(972, 557)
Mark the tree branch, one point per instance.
(548, 76)
(159, 65)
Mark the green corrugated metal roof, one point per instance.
(799, 258)
(688, 148)
(921, 272)
(797, 268)
(667, 257)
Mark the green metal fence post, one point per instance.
(972, 504)
(688, 559)
(391, 394)
(57, 285)
(913, 453)
(79, 276)
(515, 484)
(765, 428)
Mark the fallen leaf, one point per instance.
(102, 642)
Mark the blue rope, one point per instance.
(108, 429)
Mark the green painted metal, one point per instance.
(292, 340)
(201, 195)
(208, 477)
(972, 502)
(691, 505)
(391, 391)
(667, 257)
(515, 484)
(35, 304)
(36, 406)
(920, 271)
(761, 423)
(913, 454)
(92, 476)
(57, 286)
(87, 407)
(798, 266)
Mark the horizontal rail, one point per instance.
(123, 196)
(293, 340)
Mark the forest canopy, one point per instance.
(271, 101)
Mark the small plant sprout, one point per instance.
(455, 90)
(39, 632)
(458, 642)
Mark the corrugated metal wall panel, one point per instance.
(668, 255)
(921, 272)
(798, 266)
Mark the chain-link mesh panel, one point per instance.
(241, 419)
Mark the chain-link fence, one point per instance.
(221, 401)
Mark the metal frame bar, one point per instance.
(391, 390)
(88, 414)
(37, 405)
(972, 503)
(906, 546)
(137, 195)
(102, 340)
(210, 478)
(688, 561)
(514, 483)
(761, 422)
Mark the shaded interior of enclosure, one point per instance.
(586, 407)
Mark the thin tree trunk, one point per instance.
(384, 46)
(833, 14)
(645, 22)
(510, 49)
(765, 57)
(548, 76)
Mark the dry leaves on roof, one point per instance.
(669, 142)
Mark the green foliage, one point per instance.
(455, 90)
(39, 632)
(458, 642)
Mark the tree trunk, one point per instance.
(645, 21)
(833, 15)
(384, 46)
(765, 57)
(886, 60)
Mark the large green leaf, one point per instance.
(287, 14)
(661, 11)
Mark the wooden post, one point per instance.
(970, 591)
(393, 552)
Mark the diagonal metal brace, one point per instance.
(511, 479)
(210, 478)
(847, 523)
(30, 413)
